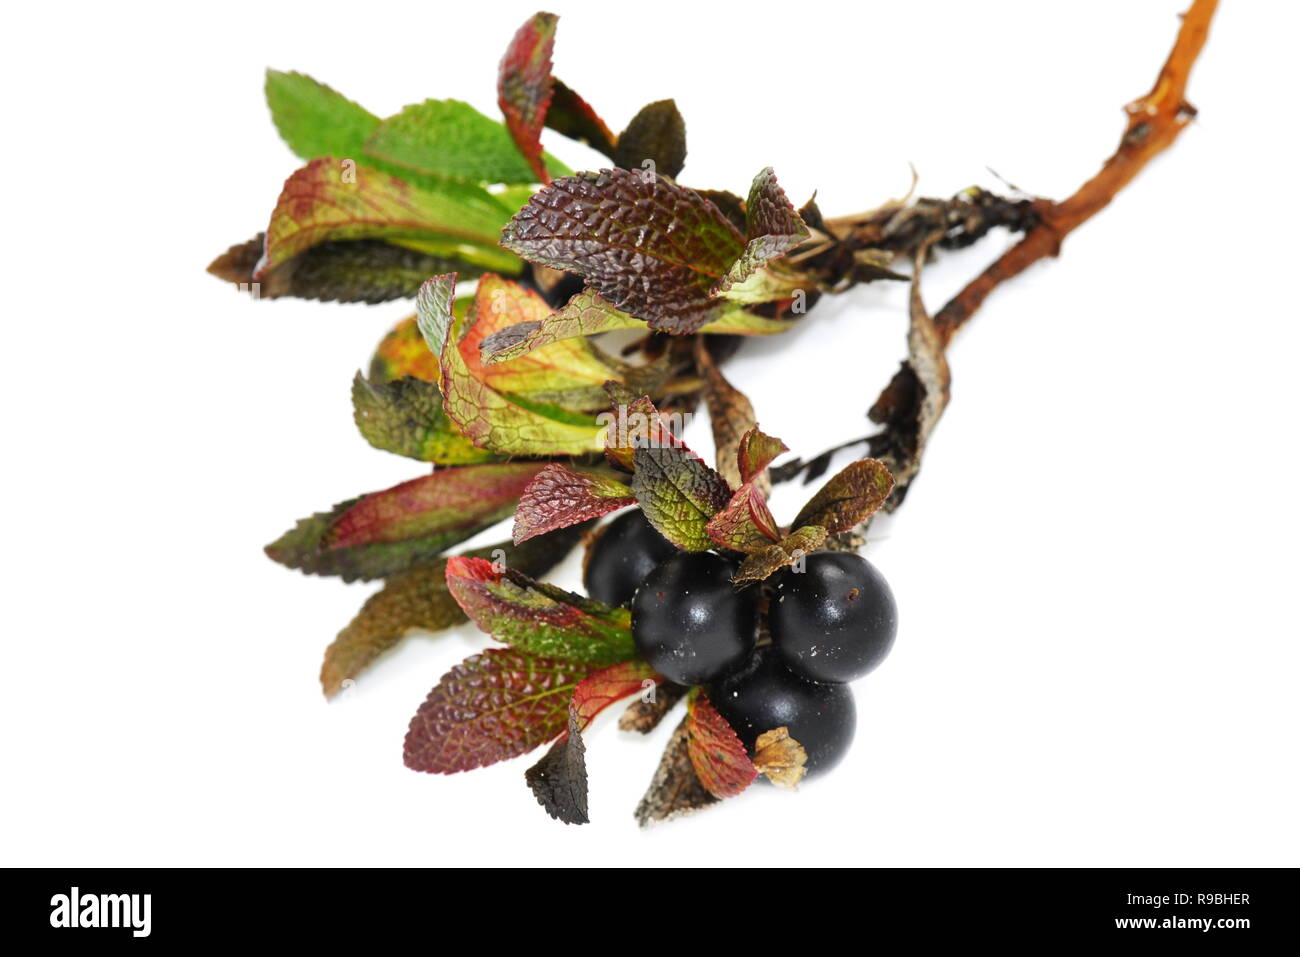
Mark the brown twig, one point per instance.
(1154, 122)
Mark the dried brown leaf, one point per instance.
(780, 757)
(675, 789)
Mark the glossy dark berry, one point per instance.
(765, 695)
(689, 621)
(625, 553)
(835, 620)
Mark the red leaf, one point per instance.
(524, 87)
(597, 692)
(557, 498)
(720, 760)
(490, 707)
(756, 452)
(650, 247)
(637, 423)
(446, 501)
(559, 779)
(746, 524)
(773, 228)
(538, 618)
(572, 116)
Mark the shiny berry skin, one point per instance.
(625, 553)
(765, 695)
(835, 620)
(689, 621)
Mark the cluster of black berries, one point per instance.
(831, 622)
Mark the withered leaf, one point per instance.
(658, 134)
(559, 779)
(915, 398)
(761, 564)
(675, 789)
(731, 415)
(359, 270)
(418, 599)
(644, 714)
(780, 757)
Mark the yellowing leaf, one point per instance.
(328, 200)
(508, 423)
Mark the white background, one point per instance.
(1096, 570)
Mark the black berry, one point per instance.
(765, 695)
(835, 620)
(689, 621)
(625, 553)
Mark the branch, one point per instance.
(1154, 122)
(910, 405)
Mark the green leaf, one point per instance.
(657, 134)
(760, 564)
(524, 88)
(537, 618)
(450, 139)
(648, 246)
(327, 201)
(313, 119)
(492, 706)
(385, 532)
(418, 599)
(405, 416)
(849, 498)
(504, 408)
(558, 497)
(678, 493)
